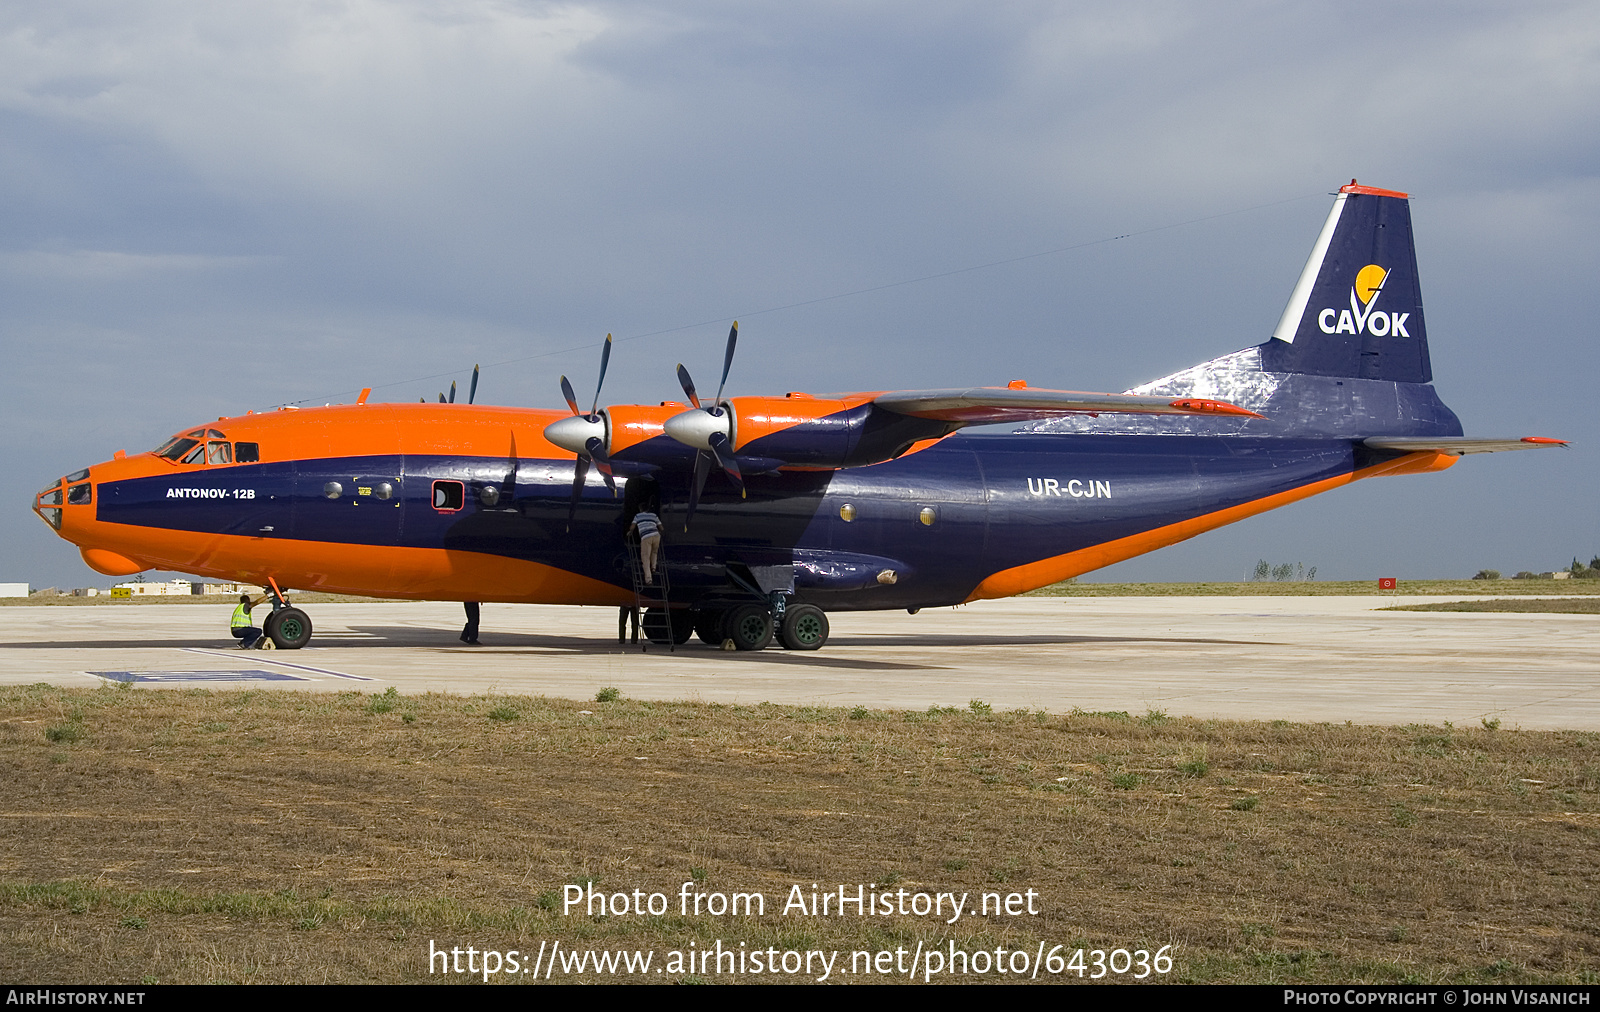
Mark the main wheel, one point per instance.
(290, 628)
(804, 627)
(657, 628)
(662, 626)
(708, 626)
(750, 627)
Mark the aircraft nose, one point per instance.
(48, 505)
(73, 490)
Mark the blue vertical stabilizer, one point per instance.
(1357, 309)
(1349, 357)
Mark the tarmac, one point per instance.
(1255, 658)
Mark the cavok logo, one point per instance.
(1363, 316)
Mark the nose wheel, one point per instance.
(289, 628)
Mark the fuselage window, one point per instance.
(79, 495)
(448, 495)
(247, 453)
(219, 453)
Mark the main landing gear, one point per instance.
(752, 627)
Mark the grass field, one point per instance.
(1539, 605)
(1320, 588)
(193, 836)
(221, 600)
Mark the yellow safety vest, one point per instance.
(241, 618)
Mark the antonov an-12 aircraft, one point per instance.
(778, 510)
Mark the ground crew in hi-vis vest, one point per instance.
(247, 634)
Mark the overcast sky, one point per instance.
(207, 208)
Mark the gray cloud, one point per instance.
(214, 207)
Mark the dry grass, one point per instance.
(229, 600)
(191, 836)
(1318, 588)
(1537, 605)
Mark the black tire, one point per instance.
(655, 626)
(804, 627)
(290, 628)
(708, 626)
(664, 627)
(750, 627)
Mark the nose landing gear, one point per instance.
(288, 627)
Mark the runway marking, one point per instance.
(284, 664)
(235, 675)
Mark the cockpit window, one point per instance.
(219, 453)
(176, 447)
(214, 434)
(196, 433)
(196, 455)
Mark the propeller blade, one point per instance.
(452, 391)
(441, 397)
(702, 467)
(597, 452)
(572, 398)
(472, 392)
(723, 450)
(580, 472)
(422, 400)
(727, 363)
(688, 385)
(605, 359)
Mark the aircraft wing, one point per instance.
(979, 405)
(1458, 445)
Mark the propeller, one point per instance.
(706, 429)
(472, 392)
(584, 434)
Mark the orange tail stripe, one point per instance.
(1032, 576)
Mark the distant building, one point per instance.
(185, 588)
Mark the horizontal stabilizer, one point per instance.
(1458, 445)
(980, 405)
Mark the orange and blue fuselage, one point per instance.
(453, 502)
